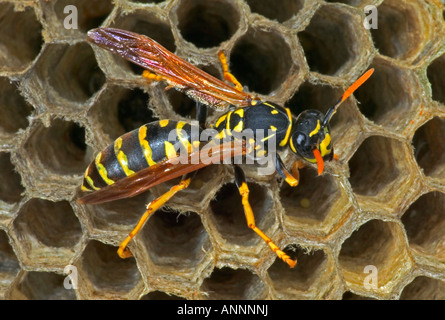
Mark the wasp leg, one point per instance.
(291, 179)
(123, 251)
(152, 76)
(227, 75)
(241, 183)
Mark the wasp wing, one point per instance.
(164, 171)
(178, 73)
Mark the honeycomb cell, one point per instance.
(60, 148)
(207, 23)
(11, 188)
(330, 41)
(308, 205)
(377, 246)
(120, 110)
(20, 39)
(9, 266)
(276, 10)
(424, 223)
(349, 2)
(90, 13)
(148, 1)
(429, 153)
(159, 295)
(14, 110)
(399, 31)
(176, 241)
(385, 98)
(230, 284)
(118, 215)
(42, 286)
(69, 72)
(261, 60)
(424, 288)
(104, 273)
(434, 73)
(377, 164)
(149, 24)
(48, 233)
(228, 213)
(298, 280)
(352, 296)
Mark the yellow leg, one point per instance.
(152, 76)
(295, 169)
(227, 75)
(123, 251)
(244, 191)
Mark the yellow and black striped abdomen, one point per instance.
(139, 149)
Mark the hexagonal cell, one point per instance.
(9, 266)
(348, 295)
(276, 10)
(331, 41)
(148, 1)
(42, 286)
(48, 232)
(424, 223)
(379, 246)
(159, 295)
(297, 281)
(118, 215)
(69, 72)
(14, 110)
(90, 13)
(308, 205)
(120, 110)
(229, 284)
(261, 60)
(146, 23)
(349, 2)
(11, 188)
(220, 18)
(60, 148)
(104, 274)
(378, 169)
(429, 152)
(399, 31)
(176, 241)
(387, 96)
(228, 213)
(20, 39)
(424, 288)
(436, 80)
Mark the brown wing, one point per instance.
(164, 171)
(180, 74)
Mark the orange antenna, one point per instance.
(346, 95)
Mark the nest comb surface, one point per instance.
(382, 204)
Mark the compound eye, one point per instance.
(303, 145)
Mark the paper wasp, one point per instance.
(143, 158)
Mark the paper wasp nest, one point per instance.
(377, 214)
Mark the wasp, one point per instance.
(147, 156)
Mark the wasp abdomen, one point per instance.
(139, 149)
